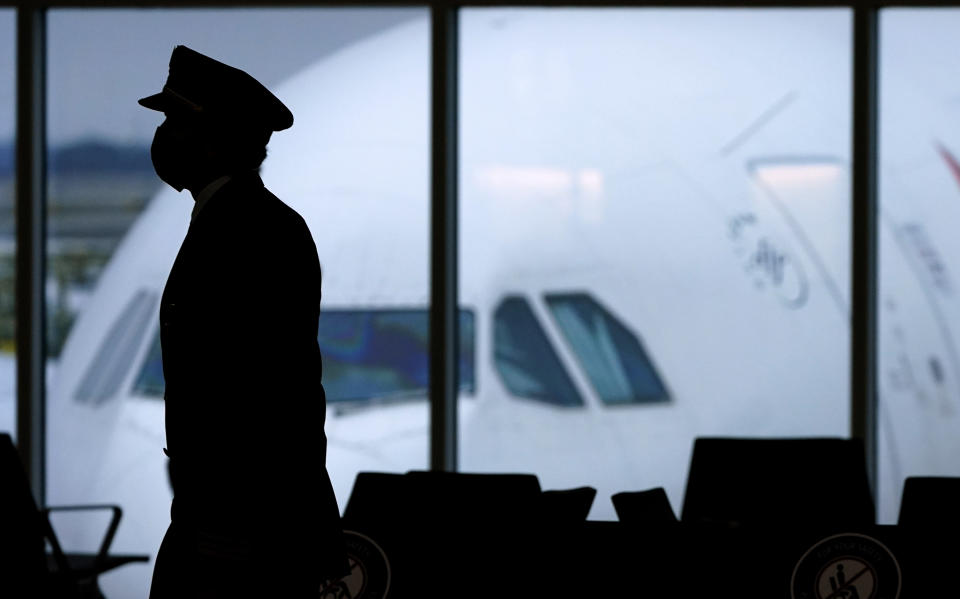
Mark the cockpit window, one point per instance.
(115, 355)
(526, 361)
(150, 380)
(367, 355)
(612, 356)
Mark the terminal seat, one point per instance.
(930, 502)
(25, 569)
(450, 534)
(644, 507)
(791, 482)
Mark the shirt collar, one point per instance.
(206, 193)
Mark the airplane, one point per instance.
(651, 250)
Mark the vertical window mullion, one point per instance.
(31, 229)
(863, 326)
(444, 384)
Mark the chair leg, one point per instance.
(89, 589)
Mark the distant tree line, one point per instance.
(76, 268)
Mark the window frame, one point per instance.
(30, 141)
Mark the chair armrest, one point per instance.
(107, 538)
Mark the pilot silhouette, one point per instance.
(253, 510)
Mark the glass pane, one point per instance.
(688, 171)
(525, 361)
(354, 166)
(611, 355)
(8, 239)
(919, 320)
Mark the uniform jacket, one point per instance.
(244, 404)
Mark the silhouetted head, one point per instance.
(189, 151)
(218, 121)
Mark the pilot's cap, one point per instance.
(201, 85)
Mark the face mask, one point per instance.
(170, 158)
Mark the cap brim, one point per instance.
(167, 102)
(159, 102)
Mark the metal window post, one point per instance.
(31, 239)
(444, 381)
(863, 326)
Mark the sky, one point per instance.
(101, 61)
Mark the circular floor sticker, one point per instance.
(369, 576)
(846, 566)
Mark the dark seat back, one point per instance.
(375, 496)
(567, 506)
(22, 559)
(931, 502)
(787, 482)
(445, 531)
(463, 498)
(644, 507)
